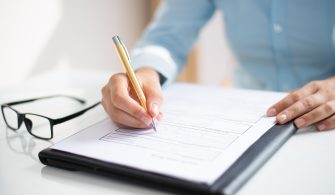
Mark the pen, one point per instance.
(125, 59)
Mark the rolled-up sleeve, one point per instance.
(170, 36)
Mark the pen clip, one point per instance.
(124, 48)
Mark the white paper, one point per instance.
(204, 130)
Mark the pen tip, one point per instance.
(154, 125)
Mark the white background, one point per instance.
(38, 36)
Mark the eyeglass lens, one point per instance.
(38, 125)
(11, 118)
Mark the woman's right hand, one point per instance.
(121, 103)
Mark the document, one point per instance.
(205, 129)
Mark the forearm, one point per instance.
(168, 39)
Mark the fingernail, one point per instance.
(299, 122)
(154, 109)
(321, 127)
(282, 118)
(159, 116)
(146, 120)
(272, 112)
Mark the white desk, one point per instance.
(304, 165)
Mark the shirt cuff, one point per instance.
(158, 58)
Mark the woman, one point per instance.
(280, 45)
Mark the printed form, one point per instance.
(204, 130)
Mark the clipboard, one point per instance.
(228, 183)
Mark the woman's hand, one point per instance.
(120, 101)
(313, 104)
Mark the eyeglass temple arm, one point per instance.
(46, 97)
(69, 117)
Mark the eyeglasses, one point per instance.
(37, 125)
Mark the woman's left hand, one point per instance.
(313, 104)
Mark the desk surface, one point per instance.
(304, 165)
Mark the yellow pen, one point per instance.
(125, 59)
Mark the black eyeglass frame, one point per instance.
(21, 117)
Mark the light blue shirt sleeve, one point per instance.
(167, 41)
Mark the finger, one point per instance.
(130, 106)
(106, 95)
(109, 108)
(316, 115)
(123, 119)
(105, 101)
(120, 98)
(326, 124)
(152, 90)
(292, 98)
(154, 98)
(159, 116)
(300, 107)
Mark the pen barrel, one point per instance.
(131, 75)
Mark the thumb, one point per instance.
(154, 97)
(152, 90)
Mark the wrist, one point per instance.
(152, 74)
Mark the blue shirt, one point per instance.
(279, 44)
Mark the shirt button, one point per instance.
(277, 28)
